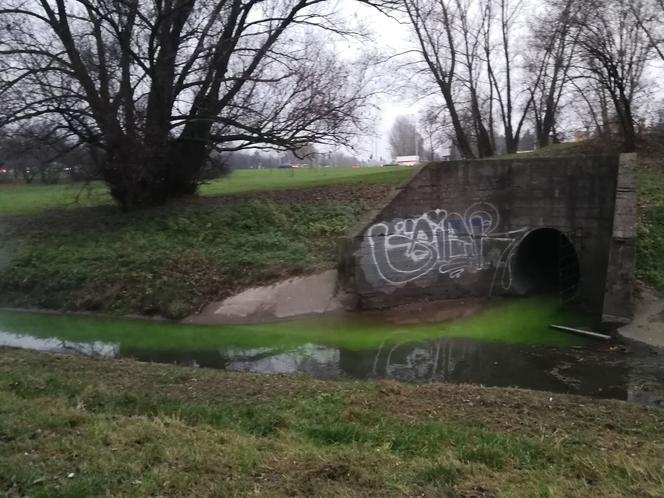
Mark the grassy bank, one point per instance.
(71, 426)
(250, 228)
(273, 179)
(23, 199)
(169, 260)
(650, 257)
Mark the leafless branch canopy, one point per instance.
(160, 82)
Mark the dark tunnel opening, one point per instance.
(546, 262)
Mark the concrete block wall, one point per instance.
(454, 228)
(620, 280)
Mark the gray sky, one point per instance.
(391, 38)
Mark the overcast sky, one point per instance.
(392, 38)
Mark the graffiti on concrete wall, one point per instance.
(449, 243)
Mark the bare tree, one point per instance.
(649, 15)
(404, 138)
(595, 107)
(435, 128)
(512, 109)
(471, 24)
(469, 51)
(554, 47)
(158, 85)
(441, 28)
(35, 149)
(613, 53)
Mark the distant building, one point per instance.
(581, 135)
(407, 160)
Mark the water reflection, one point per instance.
(316, 361)
(55, 345)
(637, 376)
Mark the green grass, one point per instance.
(554, 150)
(273, 179)
(650, 256)
(522, 321)
(25, 199)
(78, 427)
(168, 260)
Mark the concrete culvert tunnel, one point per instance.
(545, 262)
(446, 233)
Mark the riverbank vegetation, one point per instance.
(650, 259)
(249, 230)
(72, 426)
(173, 259)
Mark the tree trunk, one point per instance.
(629, 133)
(151, 173)
(484, 147)
(484, 142)
(462, 143)
(131, 172)
(511, 144)
(543, 137)
(544, 133)
(133, 186)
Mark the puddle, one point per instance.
(509, 344)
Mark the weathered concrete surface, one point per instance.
(455, 230)
(318, 294)
(295, 297)
(648, 323)
(620, 275)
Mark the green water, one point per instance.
(519, 321)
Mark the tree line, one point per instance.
(156, 89)
(500, 67)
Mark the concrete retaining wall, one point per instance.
(454, 229)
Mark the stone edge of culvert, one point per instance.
(647, 326)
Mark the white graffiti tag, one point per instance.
(447, 242)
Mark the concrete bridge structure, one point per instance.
(502, 227)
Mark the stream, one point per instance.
(507, 345)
